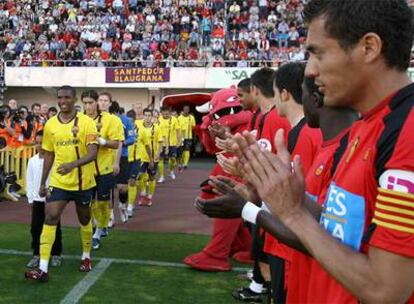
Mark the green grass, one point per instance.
(121, 283)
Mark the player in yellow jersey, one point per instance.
(134, 167)
(150, 139)
(187, 124)
(171, 137)
(104, 102)
(70, 145)
(110, 134)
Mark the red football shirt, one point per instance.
(317, 181)
(372, 188)
(268, 125)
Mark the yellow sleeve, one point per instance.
(91, 132)
(115, 131)
(48, 143)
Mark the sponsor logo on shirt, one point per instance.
(264, 144)
(398, 180)
(344, 216)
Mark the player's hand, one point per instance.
(167, 150)
(151, 165)
(218, 130)
(42, 191)
(229, 165)
(64, 169)
(226, 206)
(225, 144)
(223, 185)
(116, 169)
(279, 183)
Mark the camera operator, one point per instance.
(37, 122)
(22, 126)
(6, 131)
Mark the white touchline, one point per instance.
(116, 260)
(80, 289)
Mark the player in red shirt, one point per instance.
(334, 124)
(366, 233)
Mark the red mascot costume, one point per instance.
(230, 238)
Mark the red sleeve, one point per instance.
(307, 146)
(394, 206)
(272, 124)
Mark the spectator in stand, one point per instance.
(13, 105)
(52, 112)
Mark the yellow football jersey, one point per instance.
(133, 150)
(187, 123)
(69, 141)
(150, 136)
(169, 129)
(109, 128)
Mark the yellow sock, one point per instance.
(95, 211)
(132, 194)
(107, 213)
(160, 168)
(186, 158)
(47, 238)
(171, 163)
(101, 217)
(151, 187)
(86, 237)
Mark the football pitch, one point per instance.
(130, 267)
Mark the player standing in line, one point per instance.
(124, 172)
(187, 123)
(109, 136)
(70, 145)
(149, 149)
(104, 102)
(171, 137)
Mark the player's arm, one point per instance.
(48, 159)
(30, 189)
(130, 138)
(111, 144)
(273, 225)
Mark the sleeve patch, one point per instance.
(395, 210)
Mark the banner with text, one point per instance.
(137, 75)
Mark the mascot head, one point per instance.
(221, 109)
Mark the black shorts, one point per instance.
(172, 152)
(104, 185)
(151, 172)
(123, 176)
(81, 198)
(134, 169)
(187, 144)
(180, 151)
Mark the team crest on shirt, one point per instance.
(264, 144)
(319, 170)
(352, 150)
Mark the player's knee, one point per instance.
(52, 218)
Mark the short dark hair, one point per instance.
(107, 94)
(91, 94)
(68, 88)
(245, 84)
(114, 108)
(131, 114)
(52, 109)
(146, 110)
(262, 79)
(349, 20)
(35, 105)
(289, 77)
(165, 108)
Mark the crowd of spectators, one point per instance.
(175, 32)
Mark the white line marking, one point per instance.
(115, 260)
(80, 289)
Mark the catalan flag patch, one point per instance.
(395, 210)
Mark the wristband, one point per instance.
(101, 141)
(250, 212)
